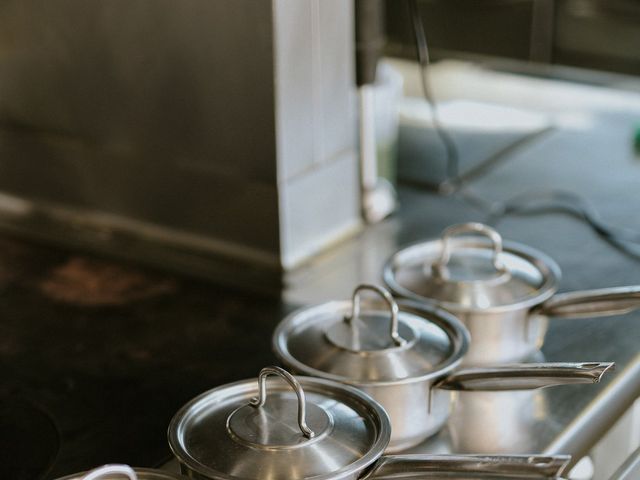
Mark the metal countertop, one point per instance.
(597, 161)
(630, 469)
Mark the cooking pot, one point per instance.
(503, 293)
(302, 428)
(405, 355)
(466, 467)
(120, 472)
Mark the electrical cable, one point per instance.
(528, 203)
(557, 201)
(422, 52)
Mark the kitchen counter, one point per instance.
(110, 351)
(568, 419)
(588, 150)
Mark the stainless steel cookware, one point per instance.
(503, 293)
(465, 467)
(405, 355)
(121, 472)
(303, 428)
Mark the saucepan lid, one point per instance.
(470, 273)
(124, 472)
(371, 342)
(279, 426)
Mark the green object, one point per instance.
(636, 139)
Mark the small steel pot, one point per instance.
(503, 294)
(308, 428)
(405, 356)
(118, 472)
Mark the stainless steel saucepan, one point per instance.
(303, 428)
(120, 472)
(467, 467)
(405, 355)
(503, 293)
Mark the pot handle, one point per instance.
(592, 303)
(484, 466)
(393, 307)
(295, 385)
(109, 470)
(439, 266)
(524, 376)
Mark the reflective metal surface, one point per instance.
(468, 275)
(563, 420)
(334, 438)
(407, 364)
(88, 106)
(119, 472)
(492, 290)
(204, 133)
(490, 286)
(227, 433)
(524, 376)
(465, 467)
(439, 267)
(598, 414)
(570, 419)
(630, 470)
(326, 341)
(592, 303)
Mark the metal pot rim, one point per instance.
(279, 339)
(547, 266)
(375, 451)
(143, 474)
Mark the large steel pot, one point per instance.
(120, 472)
(503, 293)
(405, 355)
(306, 428)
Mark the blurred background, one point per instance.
(600, 35)
(202, 135)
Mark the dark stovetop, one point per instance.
(110, 352)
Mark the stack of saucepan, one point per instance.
(301, 427)
(287, 427)
(380, 372)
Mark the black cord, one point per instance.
(528, 203)
(558, 201)
(451, 150)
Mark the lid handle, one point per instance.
(108, 470)
(393, 307)
(438, 268)
(295, 385)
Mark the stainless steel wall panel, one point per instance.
(295, 112)
(156, 110)
(195, 117)
(337, 85)
(319, 209)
